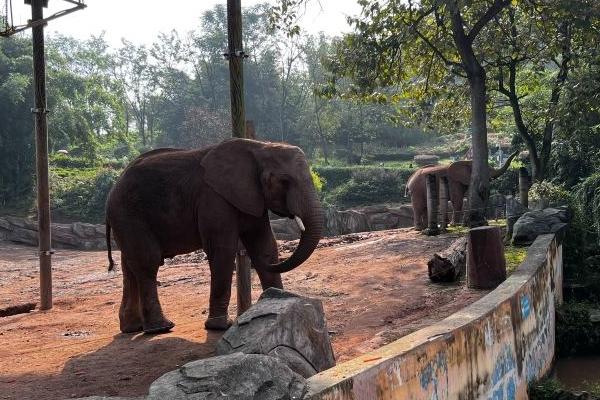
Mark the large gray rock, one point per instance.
(382, 218)
(235, 376)
(539, 222)
(285, 229)
(283, 325)
(514, 211)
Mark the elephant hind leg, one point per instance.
(143, 257)
(130, 313)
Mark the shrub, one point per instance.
(370, 186)
(550, 194)
(81, 194)
(575, 332)
(333, 176)
(60, 160)
(317, 180)
(587, 197)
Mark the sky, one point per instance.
(140, 21)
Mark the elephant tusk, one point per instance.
(300, 223)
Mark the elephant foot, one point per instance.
(218, 323)
(130, 323)
(159, 327)
(131, 327)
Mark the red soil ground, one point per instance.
(374, 288)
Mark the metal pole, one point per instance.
(236, 67)
(432, 205)
(444, 197)
(41, 145)
(236, 84)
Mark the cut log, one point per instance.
(449, 264)
(486, 266)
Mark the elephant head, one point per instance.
(460, 171)
(255, 176)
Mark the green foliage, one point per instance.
(546, 389)
(514, 257)
(576, 334)
(370, 186)
(59, 160)
(80, 194)
(317, 180)
(587, 195)
(550, 194)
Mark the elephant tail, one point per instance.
(111, 262)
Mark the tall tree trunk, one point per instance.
(480, 173)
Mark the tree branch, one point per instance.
(487, 17)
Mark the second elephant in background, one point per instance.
(459, 177)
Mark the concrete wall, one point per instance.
(489, 350)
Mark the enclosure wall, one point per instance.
(489, 350)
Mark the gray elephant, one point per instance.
(171, 201)
(459, 177)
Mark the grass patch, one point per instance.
(552, 389)
(514, 257)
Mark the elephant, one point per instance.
(458, 174)
(174, 201)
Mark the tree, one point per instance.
(536, 45)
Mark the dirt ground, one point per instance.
(374, 287)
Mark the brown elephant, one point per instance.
(459, 177)
(171, 201)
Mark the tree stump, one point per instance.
(449, 264)
(486, 266)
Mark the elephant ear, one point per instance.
(231, 170)
(460, 171)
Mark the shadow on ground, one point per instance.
(101, 372)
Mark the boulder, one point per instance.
(496, 206)
(343, 222)
(389, 217)
(514, 210)
(283, 325)
(539, 222)
(235, 376)
(285, 229)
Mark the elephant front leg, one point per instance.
(222, 263)
(261, 245)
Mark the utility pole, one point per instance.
(39, 111)
(41, 147)
(235, 54)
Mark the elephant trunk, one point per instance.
(311, 214)
(495, 173)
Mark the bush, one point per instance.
(317, 180)
(60, 160)
(81, 194)
(370, 186)
(587, 197)
(575, 333)
(549, 194)
(507, 183)
(333, 176)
